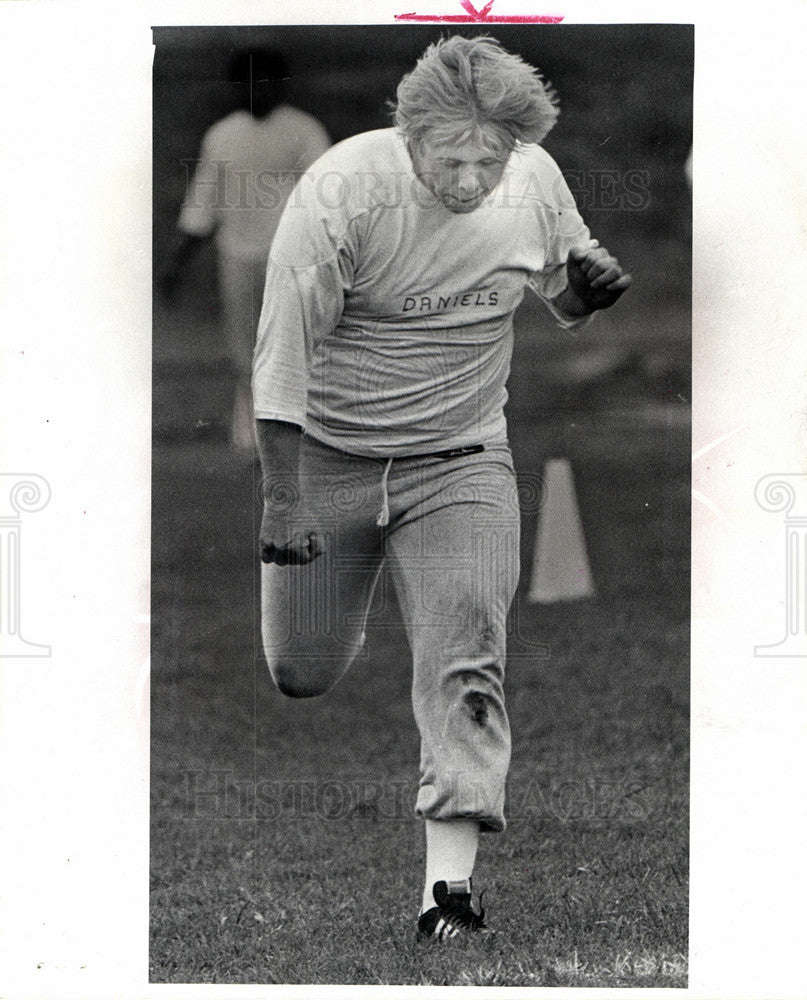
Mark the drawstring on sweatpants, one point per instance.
(383, 516)
(469, 449)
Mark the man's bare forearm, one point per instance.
(287, 537)
(186, 247)
(279, 449)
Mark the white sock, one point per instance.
(450, 853)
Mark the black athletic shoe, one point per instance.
(453, 912)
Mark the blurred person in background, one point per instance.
(383, 350)
(248, 165)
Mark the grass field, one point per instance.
(284, 848)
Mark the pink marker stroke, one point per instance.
(482, 16)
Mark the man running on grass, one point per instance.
(383, 350)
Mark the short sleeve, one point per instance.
(309, 269)
(198, 214)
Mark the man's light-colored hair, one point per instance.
(462, 87)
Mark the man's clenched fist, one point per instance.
(282, 541)
(596, 278)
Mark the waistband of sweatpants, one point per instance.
(470, 449)
(383, 516)
(443, 454)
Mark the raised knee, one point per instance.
(300, 678)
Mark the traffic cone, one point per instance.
(560, 568)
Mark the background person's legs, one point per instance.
(242, 279)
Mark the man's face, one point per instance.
(460, 175)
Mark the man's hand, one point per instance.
(283, 540)
(596, 280)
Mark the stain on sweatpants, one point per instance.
(478, 705)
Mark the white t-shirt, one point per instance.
(387, 321)
(247, 169)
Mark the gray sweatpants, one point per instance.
(452, 545)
